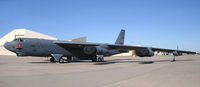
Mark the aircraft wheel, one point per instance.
(61, 60)
(52, 59)
(69, 59)
(94, 59)
(100, 59)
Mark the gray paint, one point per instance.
(85, 51)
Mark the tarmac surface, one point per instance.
(156, 71)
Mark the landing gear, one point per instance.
(69, 59)
(56, 57)
(61, 60)
(94, 59)
(98, 58)
(174, 59)
(52, 60)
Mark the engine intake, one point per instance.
(95, 50)
(146, 52)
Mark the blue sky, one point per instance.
(157, 23)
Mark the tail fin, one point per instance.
(120, 39)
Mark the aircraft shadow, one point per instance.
(137, 61)
(48, 62)
(113, 61)
(39, 62)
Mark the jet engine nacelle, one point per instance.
(175, 53)
(146, 52)
(95, 50)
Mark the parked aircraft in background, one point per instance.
(57, 49)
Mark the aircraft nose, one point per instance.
(8, 46)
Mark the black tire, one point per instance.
(61, 60)
(52, 60)
(69, 59)
(100, 59)
(94, 59)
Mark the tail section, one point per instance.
(120, 39)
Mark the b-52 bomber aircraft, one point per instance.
(96, 52)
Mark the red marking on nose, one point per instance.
(19, 44)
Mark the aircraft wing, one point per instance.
(74, 44)
(128, 47)
(171, 50)
(68, 44)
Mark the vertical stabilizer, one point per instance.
(120, 39)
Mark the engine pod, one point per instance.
(90, 50)
(145, 52)
(95, 50)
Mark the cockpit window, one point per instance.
(19, 40)
(15, 40)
